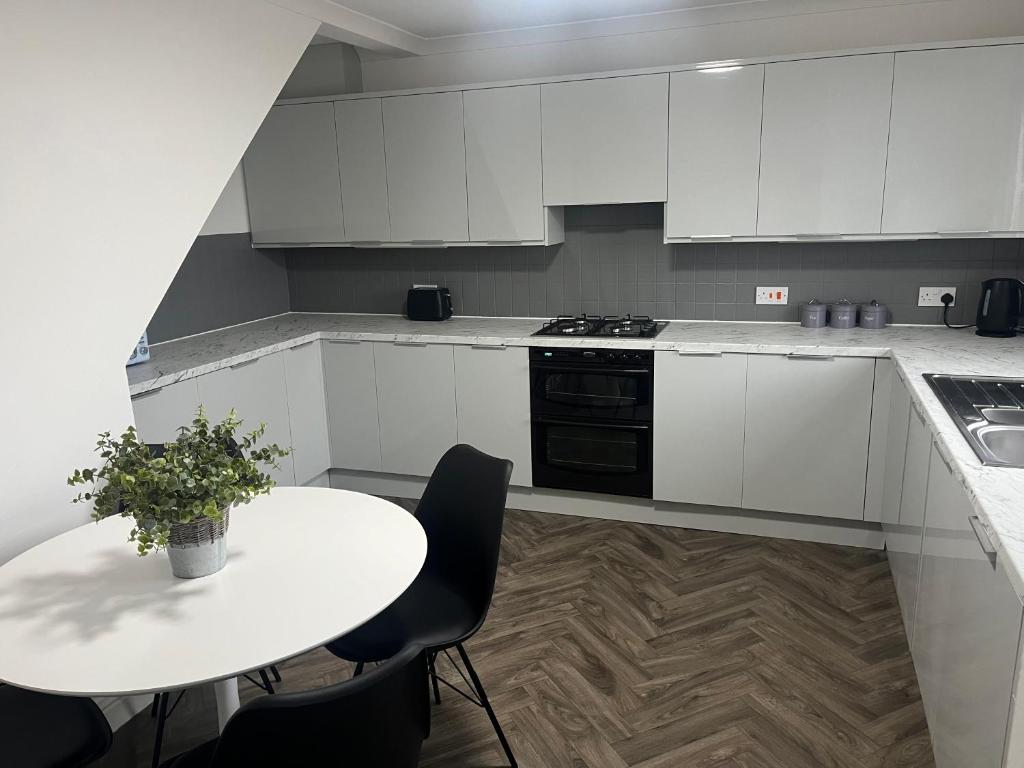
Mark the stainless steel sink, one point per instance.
(989, 413)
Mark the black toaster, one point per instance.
(428, 304)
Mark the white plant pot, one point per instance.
(198, 549)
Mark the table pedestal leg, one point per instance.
(227, 700)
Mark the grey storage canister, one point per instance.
(873, 315)
(842, 314)
(812, 314)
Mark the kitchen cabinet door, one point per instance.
(823, 145)
(160, 412)
(698, 427)
(895, 450)
(955, 155)
(903, 539)
(416, 405)
(968, 630)
(291, 177)
(805, 451)
(605, 140)
(714, 152)
(503, 163)
(492, 386)
(307, 411)
(364, 176)
(256, 389)
(881, 402)
(351, 385)
(426, 167)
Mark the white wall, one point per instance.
(230, 213)
(803, 33)
(122, 120)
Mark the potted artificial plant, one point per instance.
(180, 497)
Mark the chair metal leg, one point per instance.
(275, 673)
(161, 719)
(431, 659)
(265, 679)
(155, 705)
(487, 705)
(359, 669)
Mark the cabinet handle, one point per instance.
(983, 538)
(696, 353)
(426, 242)
(808, 356)
(410, 343)
(962, 232)
(942, 458)
(303, 344)
(488, 346)
(147, 393)
(344, 341)
(711, 237)
(244, 363)
(816, 235)
(367, 243)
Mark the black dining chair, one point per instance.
(40, 730)
(378, 720)
(461, 511)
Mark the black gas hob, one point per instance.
(628, 327)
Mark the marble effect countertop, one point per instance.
(996, 493)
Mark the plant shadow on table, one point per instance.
(93, 601)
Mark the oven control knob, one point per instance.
(610, 356)
(590, 354)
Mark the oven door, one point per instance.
(591, 391)
(601, 457)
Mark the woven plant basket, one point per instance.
(199, 548)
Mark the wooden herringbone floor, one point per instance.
(616, 644)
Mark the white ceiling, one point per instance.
(447, 18)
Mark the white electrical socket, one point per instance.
(932, 297)
(766, 295)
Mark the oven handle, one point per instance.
(592, 424)
(595, 370)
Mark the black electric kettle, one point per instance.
(999, 308)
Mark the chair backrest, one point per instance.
(462, 511)
(39, 730)
(376, 720)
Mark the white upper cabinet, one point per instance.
(823, 145)
(426, 167)
(956, 157)
(503, 163)
(291, 177)
(714, 149)
(364, 175)
(605, 140)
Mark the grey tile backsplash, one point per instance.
(221, 282)
(613, 262)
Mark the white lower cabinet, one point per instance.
(307, 411)
(492, 390)
(968, 630)
(351, 391)
(698, 427)
(256, 389)
(903, 538)
(415, 405)
(160, 412)
(806, 444)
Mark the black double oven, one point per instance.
(592, 413)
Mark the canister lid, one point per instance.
(873, 306)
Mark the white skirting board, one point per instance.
(851, 533)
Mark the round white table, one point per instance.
(82, 614)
